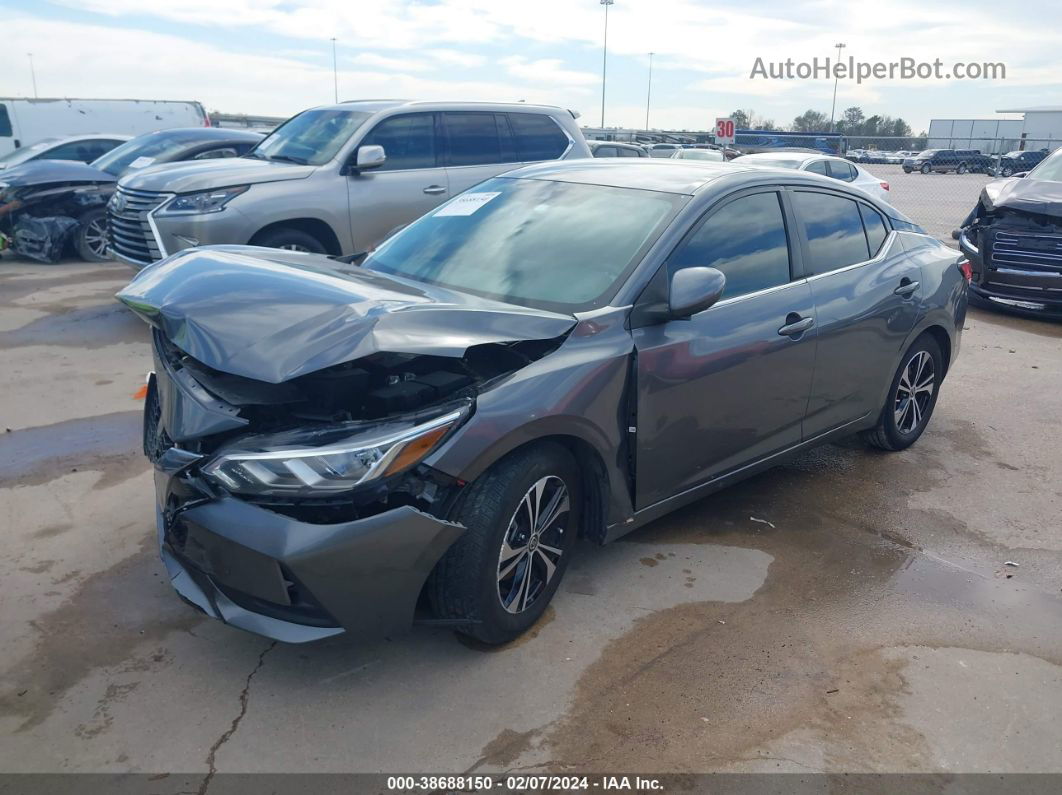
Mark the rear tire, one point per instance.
(911, 399)
(90, 240)
(961, 169)
(289, 238)
(502, 573)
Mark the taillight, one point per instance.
(966, 269)
(884, 185)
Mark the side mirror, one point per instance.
(693, 290)
(369, 157)
(1021, 174)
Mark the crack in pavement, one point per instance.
(245, 696)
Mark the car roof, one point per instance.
(65, 139)
(195, 135)
(376, 105)
(794, 157)
(664, 175)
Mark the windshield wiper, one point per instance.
(299, 161)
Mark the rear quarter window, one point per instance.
(537, 136)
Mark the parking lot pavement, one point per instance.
(848, 612)
(937, 202)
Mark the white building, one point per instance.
(1039, 128)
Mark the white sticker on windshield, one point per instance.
(466, 204)
(141, 162)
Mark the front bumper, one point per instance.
(1026, 288)
(295, 581)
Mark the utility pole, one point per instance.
(649, 92)
(604, 59)
(335, 71)
(33, 74)
(836, 76)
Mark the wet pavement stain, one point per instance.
(107, 443)
(13, 289)
(89, 327)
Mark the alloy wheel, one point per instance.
(914, 392)
(95, 237)
(533, 544)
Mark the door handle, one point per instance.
(795, 324)
(907, 288)
(435, 189)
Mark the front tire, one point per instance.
(291, 239)
(523, 516)
(91, 237)
(1006, 171)
(912, 397)
(926, 168)
(961, 169)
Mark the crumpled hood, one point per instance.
(273, 315)
(1028, 195)
(208, 174)
(42, 172)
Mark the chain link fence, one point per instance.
(936, 181)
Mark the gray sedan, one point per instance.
(571, 349)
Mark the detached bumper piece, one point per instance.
(295, 581)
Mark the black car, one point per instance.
(1013, 239)
(574, 348)
(1015, 162)
(943, 160)
(48, 205)
(616, 149)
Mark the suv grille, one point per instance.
(130, 233)
(1030, 251)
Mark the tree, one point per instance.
(853, 118)
(742, 119)
(811, 121)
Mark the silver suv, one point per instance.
(336, 179)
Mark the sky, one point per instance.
(274, 57)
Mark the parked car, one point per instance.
(708, 155)
(854, 154)
(80, 148)
(47, 206)
(25, 121)
(1015, 162)
(835, 167)
(336, 179)
(567, 350)
(615, 149)
(1013, 238)
(663, 150)
(943, 160)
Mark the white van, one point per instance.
(26, 121)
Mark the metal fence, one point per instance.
(937, 184)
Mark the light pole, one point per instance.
(836, 76)
(33, 74)
(335, 71)
(604, 60)
(649, 92)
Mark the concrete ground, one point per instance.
(849, 612)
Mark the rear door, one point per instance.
(866, 293)
(729, 385)
(479, 145)
(411, 182)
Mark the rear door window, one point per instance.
(473, 138)
(843, 171)
(537, 137)
(629, 153)
(408, 141)
(833, 229)
(5, 122)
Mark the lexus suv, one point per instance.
(335, 180)
(570, 349)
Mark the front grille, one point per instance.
(130, 234)
(1026, 250)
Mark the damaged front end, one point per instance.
(43, 206)
(1013, 239)
(288, 417)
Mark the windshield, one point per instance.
(553, 245)
(26, 152)
(143, 151)
(311, 138)
(928, 153)
(1049, 169)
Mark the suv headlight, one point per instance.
(332, 460)
(207, 201)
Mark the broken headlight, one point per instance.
(305, 463)
(207, 201)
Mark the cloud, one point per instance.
(389, 63)
(547, 71)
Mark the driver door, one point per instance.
(409, 184)
(730, 385)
